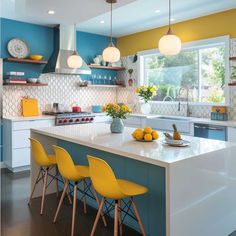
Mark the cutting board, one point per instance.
(30, 107)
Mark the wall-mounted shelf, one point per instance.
(232, 58)
(107, 67)
(232, 84)
(26, 84)
(102, 86)
(16, 60)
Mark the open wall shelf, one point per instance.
(16, 60)
(107, 67)
(232, 58)
(26, 84)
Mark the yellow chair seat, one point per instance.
(131, 189)
(52, 158)
(83, 171)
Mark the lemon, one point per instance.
(139, 135)
(148, 137)
(148, 130)
(155, 135)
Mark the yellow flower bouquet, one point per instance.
(146, 92)
(116, 110)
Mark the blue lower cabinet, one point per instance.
(152, 205)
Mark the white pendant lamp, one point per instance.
(111, 53)
(74, 61)
(170, 44)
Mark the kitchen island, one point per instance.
(192, 190)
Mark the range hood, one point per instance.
(63, 48)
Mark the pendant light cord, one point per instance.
(75, 51)
(169, 13)
(111, 23)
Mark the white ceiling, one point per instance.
(130, 16)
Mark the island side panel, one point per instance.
(152, 206)
(47, 143)
(203, 193)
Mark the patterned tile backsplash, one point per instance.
(64, 90)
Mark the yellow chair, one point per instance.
(106, 184)
(76, 173)
(46, 162)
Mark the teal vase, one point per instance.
(117, 125)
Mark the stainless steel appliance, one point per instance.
(210, 131)
(70, 118)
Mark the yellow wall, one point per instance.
(214, 25)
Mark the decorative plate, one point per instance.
(18, 48)
(185, 143)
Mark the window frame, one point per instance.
(199, 44)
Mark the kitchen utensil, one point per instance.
(18, 48)
(36, 57)
(97, 108)
(184, 144)
(30, 107)
(32, 80)
(76, 109)
(55, 107)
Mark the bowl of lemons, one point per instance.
(145, 135)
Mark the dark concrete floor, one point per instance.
(17, 219)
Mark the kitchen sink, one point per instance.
(165, 123)
(174, 118)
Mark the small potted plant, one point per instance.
(146, 93)
(118, 113)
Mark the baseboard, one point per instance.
(2, 165)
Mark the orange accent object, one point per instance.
(220, 109)
(30, 107)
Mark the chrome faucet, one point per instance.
(188, 108)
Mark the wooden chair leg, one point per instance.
(34, 186)
(74, 210)
(120, 218)
(44, 190)
(84, 188)
(56, 181)
(67, 192)
(97, 217)
(61, 200)
(98, 202)
(116, 213)
(138, 217)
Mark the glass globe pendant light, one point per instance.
(169, 44)
(111, 53)
(74, 61)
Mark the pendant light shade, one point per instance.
(111, 53)
(74, 61)
(170, 44)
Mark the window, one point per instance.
(198, 73)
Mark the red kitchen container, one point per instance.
(76, 109)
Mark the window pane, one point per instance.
(212, 74)
(169, 74)
(189, 70)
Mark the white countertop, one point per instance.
(22, 118)
(98, 136)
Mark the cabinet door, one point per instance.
(232, 134)
(20, 157)
(21, 138)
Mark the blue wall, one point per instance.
(40, 41)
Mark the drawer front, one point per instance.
(21, 138)
(231, 134)
(20, 157)
(22, 125)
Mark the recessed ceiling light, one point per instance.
(51, 12)
(102, 22)
(172, 19)
(158, 11)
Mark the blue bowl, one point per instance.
(97, 108)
